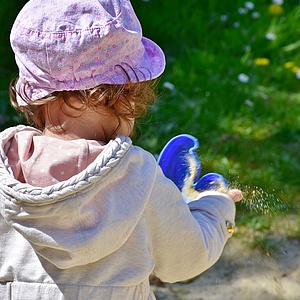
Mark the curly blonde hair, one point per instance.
(125, 101)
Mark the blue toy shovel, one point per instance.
(180, 163)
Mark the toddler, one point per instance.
(84, 214)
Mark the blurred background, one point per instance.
(232, 80)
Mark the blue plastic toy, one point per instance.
(180, 163)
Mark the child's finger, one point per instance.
(235, 194)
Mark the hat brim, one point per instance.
(151, 66)
(157, 61)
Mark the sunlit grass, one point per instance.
(232, 80)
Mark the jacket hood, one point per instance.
(85, 218)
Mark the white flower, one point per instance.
(249, 103)
(242, 11)
(278, 2)
(271, 36)
(249, 5)
(224, 18)
(243, 78)
(255, 15)
(168, 85)
(298, 74)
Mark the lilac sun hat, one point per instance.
(79, 44)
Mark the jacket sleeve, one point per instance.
(189, 238)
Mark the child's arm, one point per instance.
(187, 239)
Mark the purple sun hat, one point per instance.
(79, 44)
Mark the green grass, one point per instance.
(249, 131)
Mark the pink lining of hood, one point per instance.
(43, 161)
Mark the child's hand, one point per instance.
(235, 194)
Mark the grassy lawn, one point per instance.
(233, 81)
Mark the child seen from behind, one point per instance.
(85, 214)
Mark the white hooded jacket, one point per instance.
(101, 233)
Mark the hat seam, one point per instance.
(70, 31)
